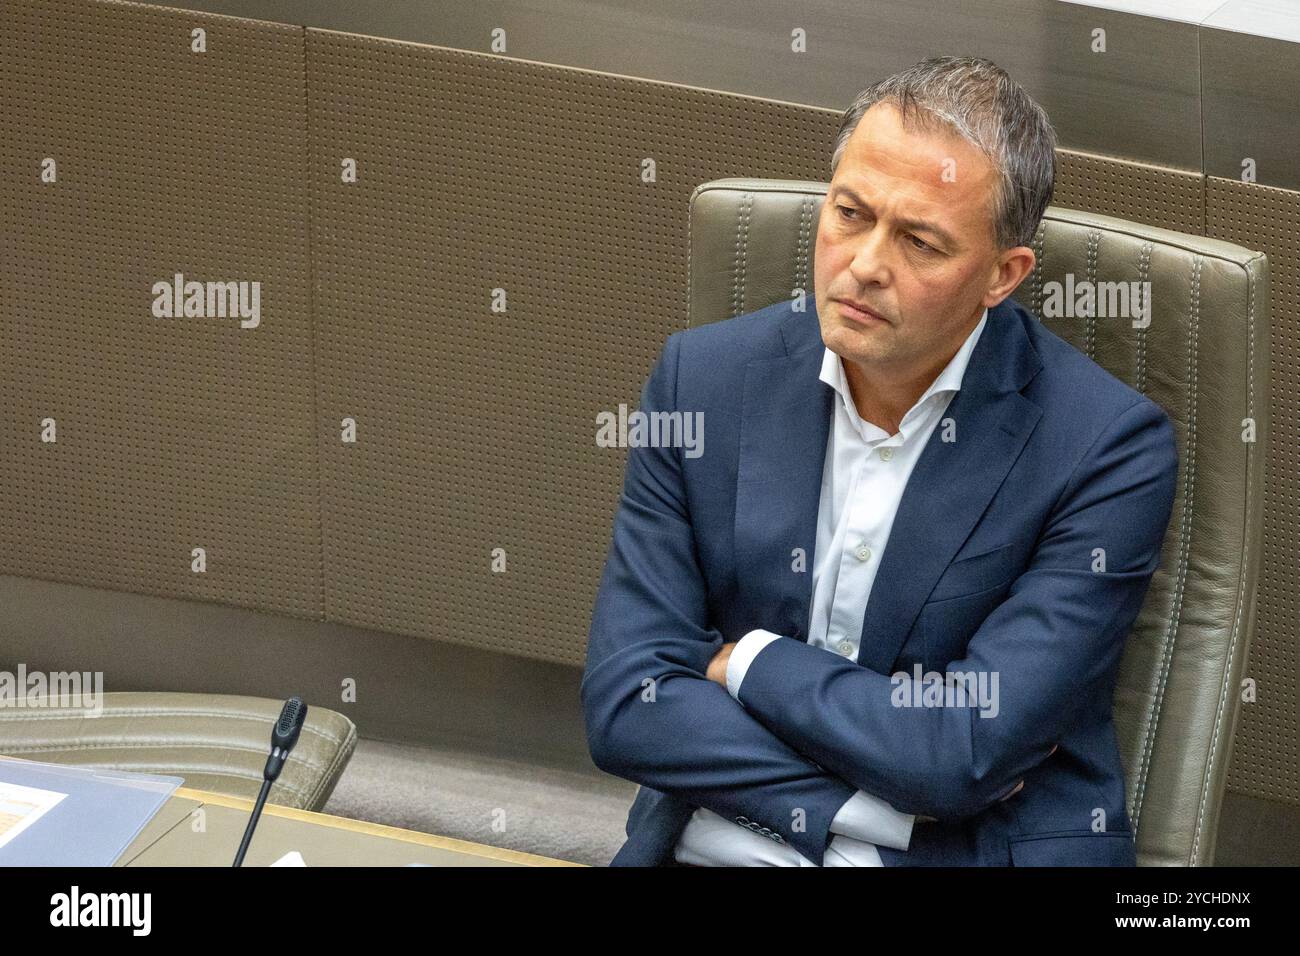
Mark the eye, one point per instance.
(923, 247)
(844, 209)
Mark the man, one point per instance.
(918, 478)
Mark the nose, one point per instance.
(870, 264)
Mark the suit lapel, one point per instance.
(784, 426)
(785, 421)
(950, 487)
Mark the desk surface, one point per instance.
(198, 828)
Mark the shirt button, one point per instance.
(845, 648)
(863, 552)
(886, 454)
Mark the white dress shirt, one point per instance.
(863, 478)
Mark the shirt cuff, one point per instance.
(845, 851)
(869, 819)
(743, 654)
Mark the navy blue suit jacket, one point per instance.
(994, 563)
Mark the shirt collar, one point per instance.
(949, 380)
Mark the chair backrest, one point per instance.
(1202, 353)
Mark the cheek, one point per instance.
(831, 262)
(931, 292)
(916, 295)
(825, 268)
(823, 257)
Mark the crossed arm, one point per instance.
(1054, 644)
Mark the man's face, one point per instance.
(906, 230)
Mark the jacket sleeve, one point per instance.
(651, 714)
(1053, 646)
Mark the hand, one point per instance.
(1022, 783)
(718, 666)
(924, 819)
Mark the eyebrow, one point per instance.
(915, 225)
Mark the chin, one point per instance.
(854, 350)
(850, 335)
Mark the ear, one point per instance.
(1009, 271)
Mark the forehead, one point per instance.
(929, 168)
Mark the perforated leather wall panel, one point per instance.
(1266, 762)
(1152, 195)
(476, 429)
(170, 434)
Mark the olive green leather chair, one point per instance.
(1204, 358)
(216, 742)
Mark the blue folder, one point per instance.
(103, 812)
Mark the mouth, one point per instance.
(860, 313)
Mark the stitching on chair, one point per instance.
(24, 713)
(1144, 271)
(334, 770)
(1184, 546)
(1036, 289)
(801, 247)
(1242, 567)
(742, 248)
(1182, 242)
(322, 778)
(255, 775)
(145, 744)
(1090, 320)
(690, 262)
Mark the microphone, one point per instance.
(283, 737)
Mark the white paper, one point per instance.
(21, 806)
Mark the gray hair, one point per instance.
(976, 98)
